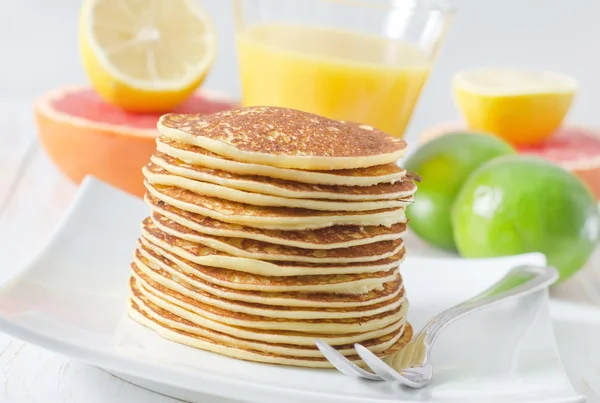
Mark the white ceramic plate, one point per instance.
(71, 299)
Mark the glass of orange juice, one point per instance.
(359, 60)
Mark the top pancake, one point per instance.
(285, 138)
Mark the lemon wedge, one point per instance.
(146, 55)
(521, 106)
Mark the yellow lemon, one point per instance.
(520, 106)
(145, 55)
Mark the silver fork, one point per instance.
(411, 366)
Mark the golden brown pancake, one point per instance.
(224, 285)
(152, 310)
(260, 329)
(177, 302)
(197, 156)
(188, 333)
(339, 283)
(252, 249)
(156, 175)
(198, 313)
(268, 217)
(153, 278)
(281, 187)
(285, 138)
(339, 236)
(204, 255)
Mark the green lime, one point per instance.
(444, 164)
(520, 204)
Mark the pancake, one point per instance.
(285, 138)
(154, 174)
(291, 337)
(259, 250)
(340, 283)
(208, 256)
(160, 279)
(283, 188)
(283, 336)
(282, 218)
(148, 260)
(197, 312)
(187, 333)
(378, 344)
(235, 313)
(339, 236)
(197, 156)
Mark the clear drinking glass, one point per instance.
(364, 61)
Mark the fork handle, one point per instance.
(519, 281)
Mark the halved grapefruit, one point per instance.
(574, 148)
(83, 135)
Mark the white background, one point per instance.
(38, 45)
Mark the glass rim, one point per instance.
(439, 7)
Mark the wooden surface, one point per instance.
(33, 196)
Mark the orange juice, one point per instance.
(338, 74)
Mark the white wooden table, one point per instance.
(33, 196)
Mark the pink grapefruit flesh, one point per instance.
(83, 135)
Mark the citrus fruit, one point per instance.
(522, 107)
(145, 56)
(576, 149)
(444, 164)
(520, 204)
(83, 135)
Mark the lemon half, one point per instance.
(521, 106)
(146, 55)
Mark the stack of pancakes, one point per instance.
(269, 228)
